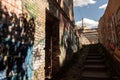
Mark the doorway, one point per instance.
(51, 45)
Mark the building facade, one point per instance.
(37, 37)
(109, 29)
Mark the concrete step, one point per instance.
(95, 51)
(115, 78)
(86, 78)
(95, 75)
(94, 61)
(94, 54)
(95, 67)
(94, 57)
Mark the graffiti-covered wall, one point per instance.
(69, 41)
(109, 26)
(36, 9)
(109, 32)
(13, 44)
(22, 39)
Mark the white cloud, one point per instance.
(89, 23)
(103, 6)
(82, 3)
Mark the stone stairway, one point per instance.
(94, 66)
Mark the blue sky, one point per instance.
(90, 10)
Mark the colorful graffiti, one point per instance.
(38, 56)
(69, 41)
(16, 46)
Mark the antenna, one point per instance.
(82, 24)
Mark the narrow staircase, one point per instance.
(94, 66)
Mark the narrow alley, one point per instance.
(59, 39)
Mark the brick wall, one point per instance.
(109, 24)
(68, 40)
(39, 37)
(22, 38)
(12, 50)
(109, 32)
(22, 35)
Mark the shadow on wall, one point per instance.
(70, 41)
(16, 43)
